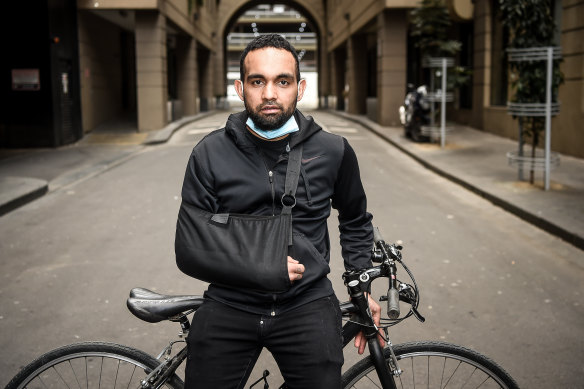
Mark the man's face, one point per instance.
(270, 89)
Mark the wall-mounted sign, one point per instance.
(26, 79)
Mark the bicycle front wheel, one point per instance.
(89, 365)
(433, 365)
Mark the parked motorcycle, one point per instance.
(415, 113)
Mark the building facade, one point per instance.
(149, 62)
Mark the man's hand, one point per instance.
(295, 269)
(360, 339)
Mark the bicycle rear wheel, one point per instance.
(89, 365)
(433, 365)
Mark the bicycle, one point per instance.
(414, 364)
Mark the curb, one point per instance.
(23, 191)
(163, 135)
(549, 227)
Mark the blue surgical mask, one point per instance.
(288, 127)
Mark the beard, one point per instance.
(269, 122)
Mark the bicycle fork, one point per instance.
(371, 331)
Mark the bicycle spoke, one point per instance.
(117, 372)
(428, 372)
(435, 365)
(100, 373)
(469, 378)
(42, 382)
(105, 365)
(131, 377)
(485, 380)
(369, 378)
(413, 373)
(60, 376)
(452, 375)
(443, 369)
(74, 374)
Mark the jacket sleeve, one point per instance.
(197, 189)
(356, 230)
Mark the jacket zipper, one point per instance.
(271, 177)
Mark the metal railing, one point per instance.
(304, 39)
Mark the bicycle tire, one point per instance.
(433, 364)
(87, 365)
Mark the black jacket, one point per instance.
(227, 174)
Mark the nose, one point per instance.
(269, 91)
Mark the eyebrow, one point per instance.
(281, 75)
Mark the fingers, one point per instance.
(376, 313)
(295, 269)
(360, 343)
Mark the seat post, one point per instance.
(185, 325)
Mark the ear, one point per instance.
(238, 88)
(301, 89)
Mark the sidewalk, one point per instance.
(471, 158)
(477, 160)
(27, 174)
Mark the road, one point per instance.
(488, 280)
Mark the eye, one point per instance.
(284, 82)
(257, 83)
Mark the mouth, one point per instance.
(270, 109)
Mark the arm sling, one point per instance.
(238, 250)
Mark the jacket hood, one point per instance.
(236, 128)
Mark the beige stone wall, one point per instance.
(391, 64)
(568, 127)
(339, 41)
(357, 74)
(100, 68)
(346, 17)
(187, 74)
(117, 4)
(151, 69)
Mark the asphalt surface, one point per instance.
(472, 158)
(489, 281)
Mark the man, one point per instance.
(241, 169)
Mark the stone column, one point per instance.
(220, 83)
(187, 74)
(357, 74)
(391, 64)
(205, 72)
(324, 76)
(481, 73)
(338, 73)
(151, 67)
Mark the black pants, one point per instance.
(224, 344)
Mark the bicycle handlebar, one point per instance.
(393, 310)
(388, 256)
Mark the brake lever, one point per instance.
(417, 315)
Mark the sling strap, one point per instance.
(292, 174)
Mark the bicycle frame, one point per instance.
(146, 305)
(351, 328)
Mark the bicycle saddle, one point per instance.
(153, 307)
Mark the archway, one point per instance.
(305, 35)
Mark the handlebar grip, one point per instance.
(393, 303)
(377, 235)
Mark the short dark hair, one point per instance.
(276, 41)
